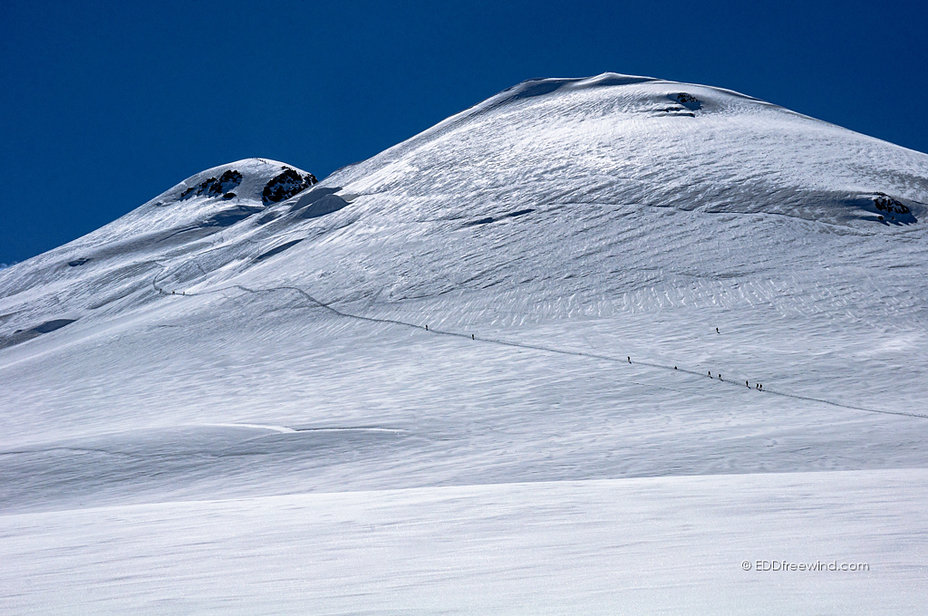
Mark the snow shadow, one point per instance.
(20, 335)
(317, 202)
(277, 250)
(490, 219)
(198, 458)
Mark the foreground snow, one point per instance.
(655, 545)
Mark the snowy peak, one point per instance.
(120, 264)
(623, 140)
(633, 94)
(251, 179)
(533, 88)
(208, 201)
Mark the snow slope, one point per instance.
(609, 268)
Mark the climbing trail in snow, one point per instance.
(541, 348)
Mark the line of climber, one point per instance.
(321, 304)
(747, 384)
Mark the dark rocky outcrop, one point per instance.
(685, 104)
(687, 100)
(885, 203)
(286, 184)
(213, 187)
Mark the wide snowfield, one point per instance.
(665, 545)
(512, 365)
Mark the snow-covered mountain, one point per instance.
(552, 355)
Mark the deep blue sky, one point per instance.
(105, 105)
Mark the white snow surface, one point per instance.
(220, 404)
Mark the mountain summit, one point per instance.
(549, 157)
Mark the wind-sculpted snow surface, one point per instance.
(633, 327)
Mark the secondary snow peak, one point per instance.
(253, 179)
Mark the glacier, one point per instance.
(598, 345)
